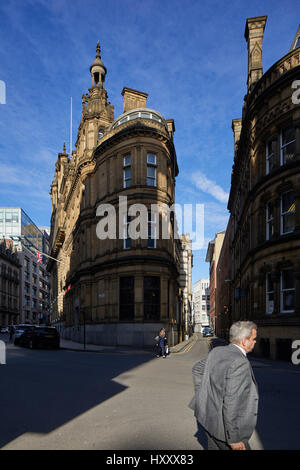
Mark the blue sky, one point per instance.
(190, 56)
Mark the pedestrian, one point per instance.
(11, 332)
(226, 395)
(162, 343)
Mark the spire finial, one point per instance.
(64, 147)
(98, 50)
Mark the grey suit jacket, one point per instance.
(226, 394)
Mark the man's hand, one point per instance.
(238, 446)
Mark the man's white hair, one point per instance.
(240, 330)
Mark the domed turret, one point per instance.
(98, 69)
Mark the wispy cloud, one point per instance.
(209, 186)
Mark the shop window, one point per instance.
(283, 349)
(127, 298)
(152, 298)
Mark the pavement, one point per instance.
(181, 347)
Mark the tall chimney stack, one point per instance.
(254, 33)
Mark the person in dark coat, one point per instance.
(162, 343)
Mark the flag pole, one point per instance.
(45, 254)
(71, 131)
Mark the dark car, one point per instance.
(4, 330)
(207, 332)
(40, 337)
(19, 330)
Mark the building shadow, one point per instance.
(201, 436)
(42, 390)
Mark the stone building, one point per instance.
(9, 284)
(185, 281)
(264, 200)
(110, 286)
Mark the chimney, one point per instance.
(254, 33)
(171, 127)
(237, 128)
(133, 99)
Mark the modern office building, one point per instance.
(113, 287)
(201, 304)
(27, 239)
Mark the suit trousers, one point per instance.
(216, 444)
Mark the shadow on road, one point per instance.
(41, 390)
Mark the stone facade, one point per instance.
(185, 281)
(10, 269)
(115, 289)
(264, 200)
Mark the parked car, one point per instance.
(4, 330)
(40, 336)
(207, 332)
(19, 331)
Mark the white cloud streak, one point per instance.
(209, 186)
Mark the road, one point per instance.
(126, 400)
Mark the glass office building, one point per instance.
(17, 225)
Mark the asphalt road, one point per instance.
(126, 401)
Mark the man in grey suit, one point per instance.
(226, 395)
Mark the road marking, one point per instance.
(189, 346)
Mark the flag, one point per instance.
(39, 257)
